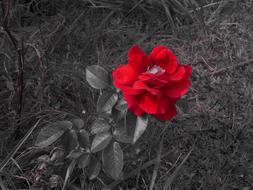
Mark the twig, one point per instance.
(223, 70)
(19, 52)
(54, 33)
(136, 171)
(5, 10)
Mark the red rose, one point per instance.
(152, 84)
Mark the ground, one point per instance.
(60, 39)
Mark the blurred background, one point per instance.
(46, 45)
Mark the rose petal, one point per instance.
(124, 74)
(171, 64)
(156, 50)
(178, 89)
(168, 115)
(178, 74)
(163, 104)
(127, 89)
(165, 58)
(154, 80)
(188, 71)
(138, 59)
(133, 105)
(142, 86)
(148, 103)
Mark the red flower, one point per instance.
(152, 84)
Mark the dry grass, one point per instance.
(61, 39)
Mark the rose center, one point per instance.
(155, 69)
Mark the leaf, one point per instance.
(84, 160)
(64, 124)
(54, 181)
(130, 129)
(48, 135)
(44, 158)
(121, 134)
(100, 141)
(106, 102)
(125, 129)
(74, 154)
(120, 110)
(121, 105)
(141, 125)
(93, 168)
(117, 115)
(69, 140)
(69, 172)
(112, 159)
(83, 138)
(57, 155)
(97, 77)
(99, 126)
(78, 124)
(130, 124)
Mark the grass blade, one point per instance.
(17, 147)
(169, 181)
(69, 172)
(168, 13)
